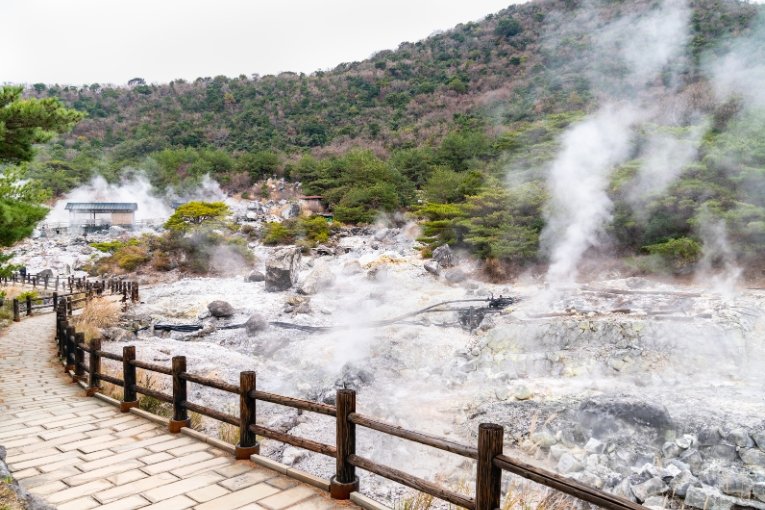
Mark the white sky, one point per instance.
(112, 41)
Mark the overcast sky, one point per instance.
(112, 41)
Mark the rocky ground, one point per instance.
(645, 389)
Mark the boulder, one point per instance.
(759, 438)
(292, 211)
(708, 436)
(740, 437)
(319, 279)
(255, 276)
(352, 267)
(220, 309)
(651, 487)
(443, 256)
(595, 446)
(682, 482)
(568, 464)
(736, 485)
(45, 273)
(432, 267)
(706, 498)
(758, 490)
(282, 269)
(752, 456)
(255, 324)
(118, 335)
(455, 275)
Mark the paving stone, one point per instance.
(78, 492)
(207, 493)
(287, 498)
(142, 485)
(181, 487)
(128, 503)
(176, 503)
(239, 498)
(85, 503)
(169, 465)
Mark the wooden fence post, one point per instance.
(488, 482)
(95, 366)
(79, 357)
(55, 301)
(180, 415)
(16, 314)
(29, 305)
(69, 350)
(248, 441)
(345, 480)
(129, 397)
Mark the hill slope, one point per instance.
(448, 120)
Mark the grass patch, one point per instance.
(96, 315)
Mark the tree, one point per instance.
(196, 214)
(25, 122)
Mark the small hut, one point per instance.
(312, 204)
(101, 214)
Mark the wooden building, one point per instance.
(101, 214)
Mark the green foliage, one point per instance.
(196, 214)
(305, 231)
(679, 254)
(449, 186)
(33, 295)
(113, 246)
(25, 122)
(508, 27)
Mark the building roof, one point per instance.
(105, 207)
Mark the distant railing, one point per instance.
(80, 291)
(488, 454)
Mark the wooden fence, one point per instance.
(488, 453)
(80, 290)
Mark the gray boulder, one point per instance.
(255, 276)
(432, 267)
(118, 335)
(651, 487)
(752, 456)
(759, 438)
(682, 482)
(293, 211)
(736, 485)
(706, 498)
(282, 269)
(758, 490)
(255, 324)
(317, 280)
(45, 273)
(455, 275)
(568, 464)
(220, 309)
(740, 437)
(444, 256)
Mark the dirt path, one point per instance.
(79, 453)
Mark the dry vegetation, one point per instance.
(97, 315)
(8, 498)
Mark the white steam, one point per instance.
(740, 72)
(138, 189)
(579, 207)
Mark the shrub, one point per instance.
(679, 254)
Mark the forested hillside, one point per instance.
(458, 128)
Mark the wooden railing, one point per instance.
(488, 454)
(80, 291)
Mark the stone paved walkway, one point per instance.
(79, 453)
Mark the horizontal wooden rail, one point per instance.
(110, 379)
(109, 355)
(83, 347)
(212, 413)
(413, 482)
(211, 383)
(153, 367)
(296, 403)
(417, 437)
(153, 393)
(300, 442)
(567, 485)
